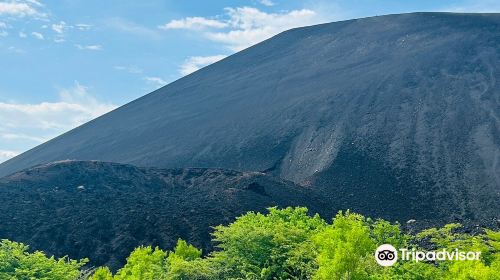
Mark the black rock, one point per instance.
(394, 116)
(122, 206)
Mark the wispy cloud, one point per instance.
(130, 27)
(15, 49)
(39, 122)
(246, 26)
(268, 3)
(129, 69)
(155, 81)
(21, 136)
(474, 6)
(5, 155)
(193, 23)
(75, 101)
(59, 27)
(3, 29)
(35, 2)
(83, 26)
(38, 35)
(89, 47)
(196, 62)
(22, 34)
(251, 26)
(19, 8)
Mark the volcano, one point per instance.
(393, 116)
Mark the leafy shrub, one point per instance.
(283, 244)
(144, 263)
(345, 248)
(17, 263)
(272, 246)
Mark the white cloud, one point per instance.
(15, 50)
(32, 124)
(131, 28)
(196, 62)
(83, 27)
(5, 155)
(21, 8)
(251, 25)
(37, 35)
(130, 69)
(22, 34)
(78, 94)
(268, 3)
(3, 31)
(59, 27)
(474, 6)
(155, 81)
(193, 23)
(75, 106)
(43, 115)
(89, 47)
(35, 2)
(246, 26)
(13, 136)
(16, 9)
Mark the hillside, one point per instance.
(102, 211)
(394, 117)
(399, 107)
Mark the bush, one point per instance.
(283, 244)
(144, 263)
(273, 246)
(17, 263)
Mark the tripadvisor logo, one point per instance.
(387, 255)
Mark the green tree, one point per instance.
(102, 273)
(272, 246)
(17, 263)
(144, 263)
(450, 237)
(383, 232)
(185, 263)
(345, 248)
(283, 244)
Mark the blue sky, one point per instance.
(68, 61)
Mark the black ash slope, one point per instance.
(102, 211)
(395, 115)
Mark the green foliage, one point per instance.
(273, 246)
(147, 263)
(102, 273)
(184, 251)
(185, 263)
(383, 232)
(200, 269)
(144, 263)
(451, 238)
(17, 263)
(283, 244)
(344, 248)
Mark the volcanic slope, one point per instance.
(102, 211)
(397, 116)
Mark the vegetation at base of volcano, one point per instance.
(282, 244)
